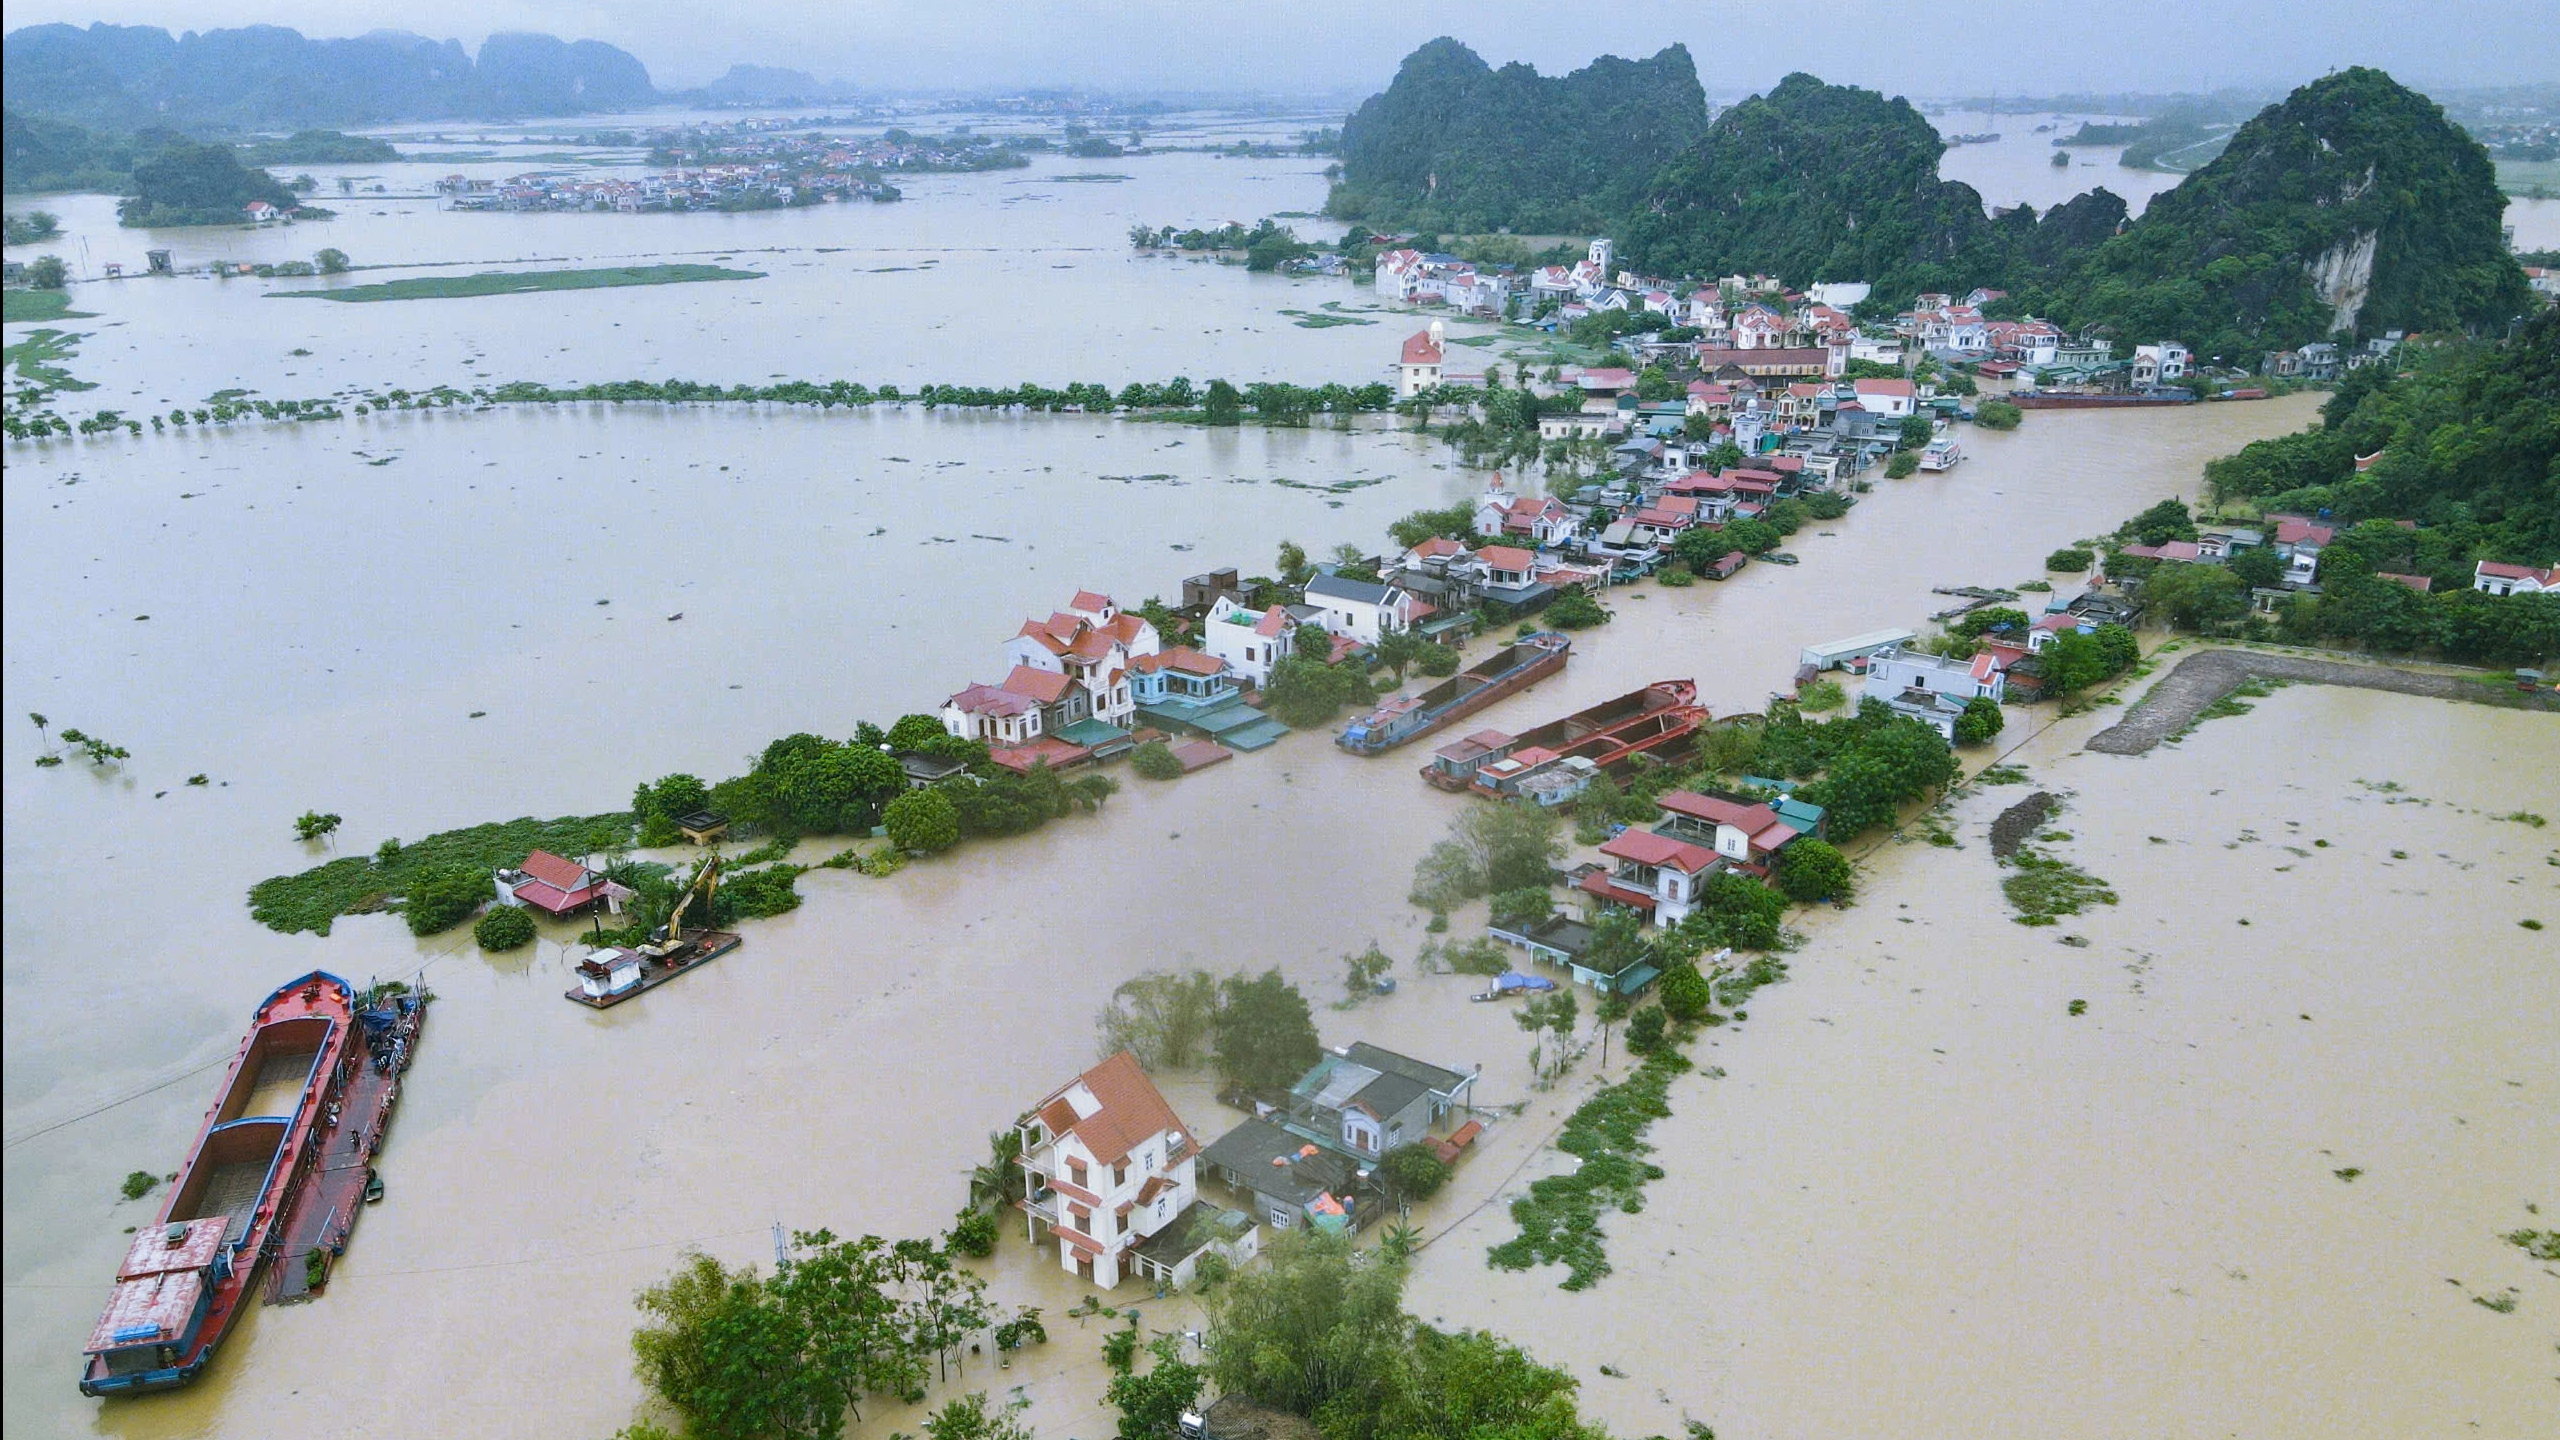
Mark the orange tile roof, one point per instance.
(1087, 600)
(1042, 685)
(1506, 557)
(1130, 1109)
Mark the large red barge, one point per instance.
(267, 1150)
(1650, 718)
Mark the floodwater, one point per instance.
(321, 629)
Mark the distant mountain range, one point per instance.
(124, 77)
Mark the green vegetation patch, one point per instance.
(2540, 1244)
(2045, 886)
(1559, 1218)
(20, 306)
(357, 884)
(1319, 320)
(520, 282)
(33, 358)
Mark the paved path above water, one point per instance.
(2208, 675)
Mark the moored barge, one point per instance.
(185, 1279)
(1507, 671)
(2096, 400)
(1604, 733)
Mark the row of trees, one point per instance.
(1217, 403)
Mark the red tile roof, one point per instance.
(2500, 570)
(1044, 686)
(1884, 387)
(1749, 819)
(1089, 601)
(2302, 532)
(1506, 557)
(1274, 622)
(566, 875)
(989, 700)
(1182, 658)
(1646, 848)
(1419, 350)
(1129, 1112)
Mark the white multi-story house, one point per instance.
(1418, 367)
(1656, 876)
(1109, 1164)
(1876, 349)
(1885, 399)
(1898, 670)
(1090, 642)
(2161, 364)
(1360, 610)
(1250, 641)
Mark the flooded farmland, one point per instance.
(1924, 1197)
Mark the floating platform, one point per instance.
(705, 947)
(323, 1210)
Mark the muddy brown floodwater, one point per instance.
(2042, 1217)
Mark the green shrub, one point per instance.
(975, 1233)
(1413, 1172)
(1154, 761)
(1901, 466)
(1576, 611)
(923, 820)
(1997, 415)
(1821, 695)
(1811, 870)
(505, 927)
(445, 896)
(139, 1183)
(1676, 576)
(1440, 661)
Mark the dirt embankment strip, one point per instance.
(2208, 675)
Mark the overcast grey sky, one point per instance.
(1974, 46)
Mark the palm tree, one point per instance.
(999, 1181)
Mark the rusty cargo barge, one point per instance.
(1652, 719)
(291, 1125)
(1507, 671)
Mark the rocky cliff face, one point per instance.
(2342, 276)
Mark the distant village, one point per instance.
(742, 167)
(1756, 328)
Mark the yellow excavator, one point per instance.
(668, 940)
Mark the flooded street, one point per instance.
(1858, 1235)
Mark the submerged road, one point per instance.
(2208, 675)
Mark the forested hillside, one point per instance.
(2468, 438)
(1454, 145)
(2354, 205)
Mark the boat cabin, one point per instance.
(160, 1299)
(609, 971)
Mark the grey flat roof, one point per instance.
(1367, 592)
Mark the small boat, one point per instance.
(1512, 982)
(186, 1277)
(372, 1187)
(1779, 557)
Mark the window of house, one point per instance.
(1075, 1172)
(1079, 1218)
(1119, 1173)
(1124, 1222)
